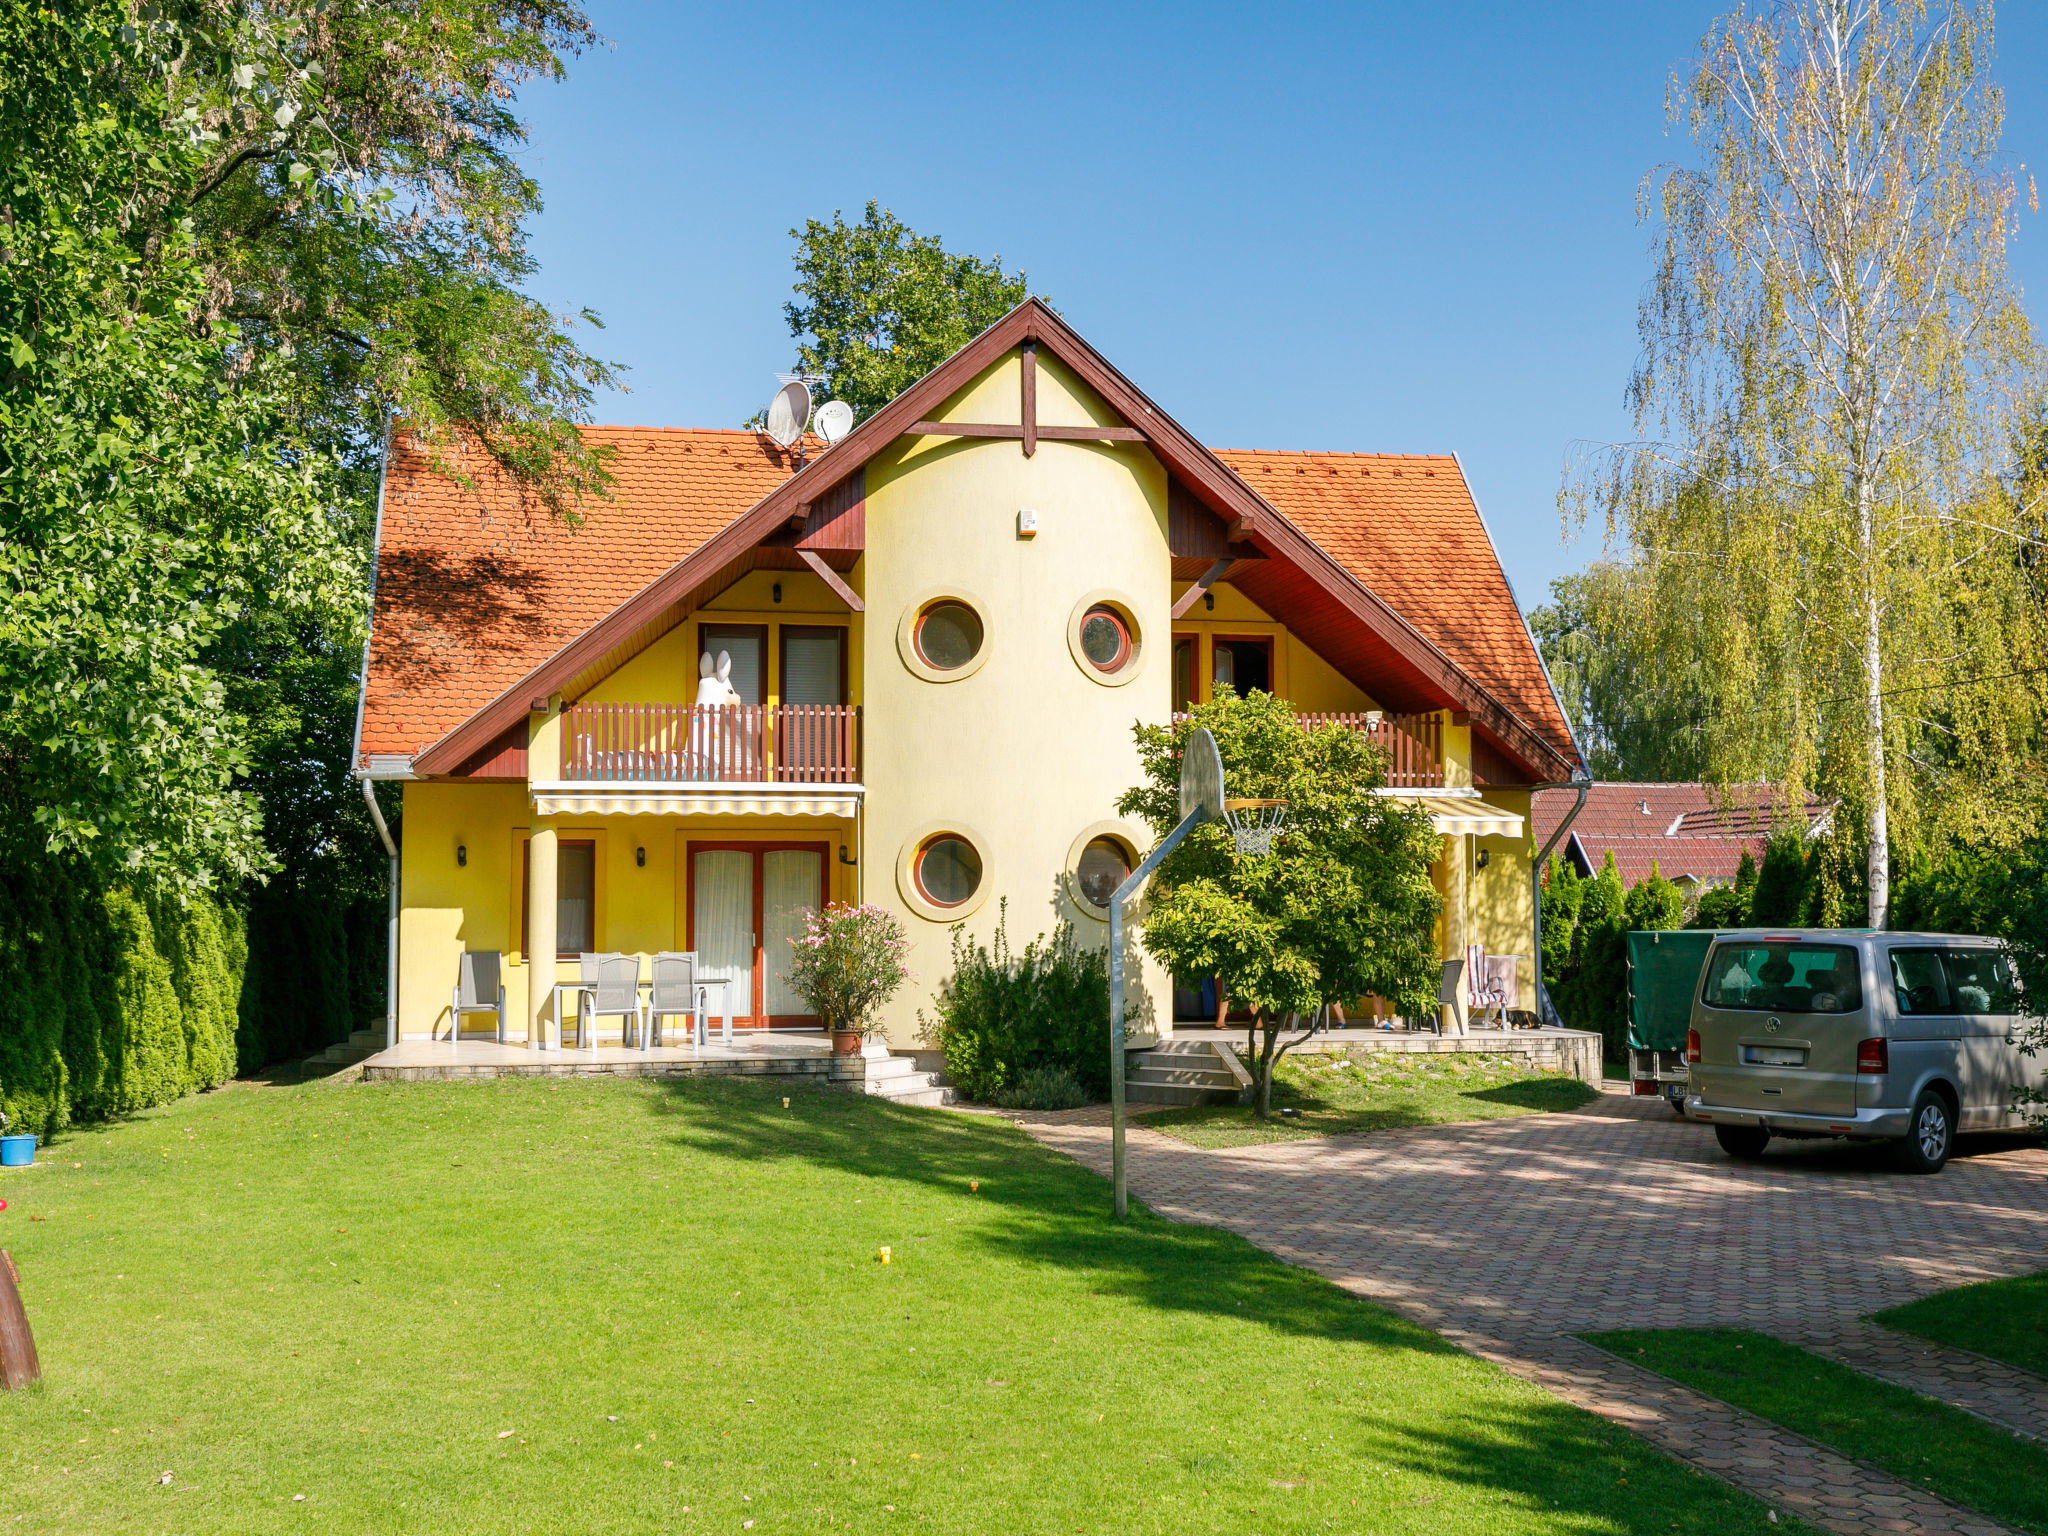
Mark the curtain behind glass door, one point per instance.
(790, 883)
(722, 900)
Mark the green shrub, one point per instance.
(1001, 1013)
(1780, 897)
(1044, 1088)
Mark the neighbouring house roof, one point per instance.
(1679, 829)
(484, 602)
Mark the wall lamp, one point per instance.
(1209, 601)
(1485, 858)
(461, 856)
(640, 857)
(776, 591)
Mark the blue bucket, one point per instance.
(17, 1151)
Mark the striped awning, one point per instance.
(1457, 815)
(696, 799)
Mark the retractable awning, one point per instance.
(696, 799)
(1457, 815)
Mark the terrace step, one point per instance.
(360, 1046)
(897, 1079)
(1181, 1072)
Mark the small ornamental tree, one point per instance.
(848, 962)
(1343, 905)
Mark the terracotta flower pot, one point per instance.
(845, 1042)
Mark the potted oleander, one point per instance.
(847, 963)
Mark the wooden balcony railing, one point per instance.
(1414, 744)
(716, 744)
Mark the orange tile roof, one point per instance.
(1407, 527)
(474, 589)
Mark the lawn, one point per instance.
(1916, 1439)
(1367, 1090)
(618, 1306)
(2004, 1319)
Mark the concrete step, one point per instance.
(924, 1098)
(1181, 1072)
(346, 1054)
(897, 1079)
(1175, 1093)
(1189, 1076)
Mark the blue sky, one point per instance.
(1382, 228)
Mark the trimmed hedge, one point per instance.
(112, 1002)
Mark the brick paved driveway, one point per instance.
(1510, 1236)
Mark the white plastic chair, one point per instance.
(674, 992)
(610, 986)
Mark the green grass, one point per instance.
(1376, 1091)
(668, 1295)
(1916, 1439)
(2004, 1319)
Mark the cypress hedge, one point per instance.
(113, 1001)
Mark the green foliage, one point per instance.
(1045, 1088)
(1342, 907)
(1003, 1015)
(879, 306)
(1653, 905)
(847, 962)
(1563, 893)
(1586, 924)
(1779, 899)
(1727, 906)
(113, 1001)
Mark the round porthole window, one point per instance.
(948, 870)
(948, 636)
(1104, 865)
(1104, 636)
(1105, 639)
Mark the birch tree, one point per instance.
(1834, 359)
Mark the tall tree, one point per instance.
(235, 239)
(879, 305)
(1833, 358)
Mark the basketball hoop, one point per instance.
(1255, 823)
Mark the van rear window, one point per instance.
(1784, 977)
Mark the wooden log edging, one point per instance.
(18, 1363)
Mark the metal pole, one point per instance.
(1124, 892)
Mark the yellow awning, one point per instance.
(579, 799)
(1458, 815)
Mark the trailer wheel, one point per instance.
(1746, 1142)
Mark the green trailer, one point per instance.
(1663, 975)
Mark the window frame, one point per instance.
(924, 849)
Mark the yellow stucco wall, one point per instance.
(1299, 673)
(1029, 751)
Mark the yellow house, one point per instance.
(940, 633)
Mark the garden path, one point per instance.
(1510, 1237)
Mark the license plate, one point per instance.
(1774, 1056)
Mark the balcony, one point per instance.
(1414, 744)
(711, 744)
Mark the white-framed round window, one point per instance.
(1100, 859)
(943, 871)
(1103, 634)
(943, 636)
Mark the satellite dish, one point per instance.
(788, 413)
(835, 420)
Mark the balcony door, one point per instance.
(746, 902)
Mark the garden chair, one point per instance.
(1447, 991)
(674, 992)
(1502, 986)
(610, 985)
(478, 989)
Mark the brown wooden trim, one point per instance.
(1028, 361)
(1203, 583)
(831, 578)
(1006, 430)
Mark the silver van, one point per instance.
(1907, 1037)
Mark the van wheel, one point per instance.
(1930, 1136)
(1743, 1141)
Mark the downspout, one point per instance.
(356, 749)
(1582, 781)
(391, 928)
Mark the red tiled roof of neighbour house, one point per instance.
(1677, 827)
(1407, 527)
(475, 587)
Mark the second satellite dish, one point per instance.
(788, 413)
(835, 420)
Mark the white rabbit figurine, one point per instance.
(715, 686)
